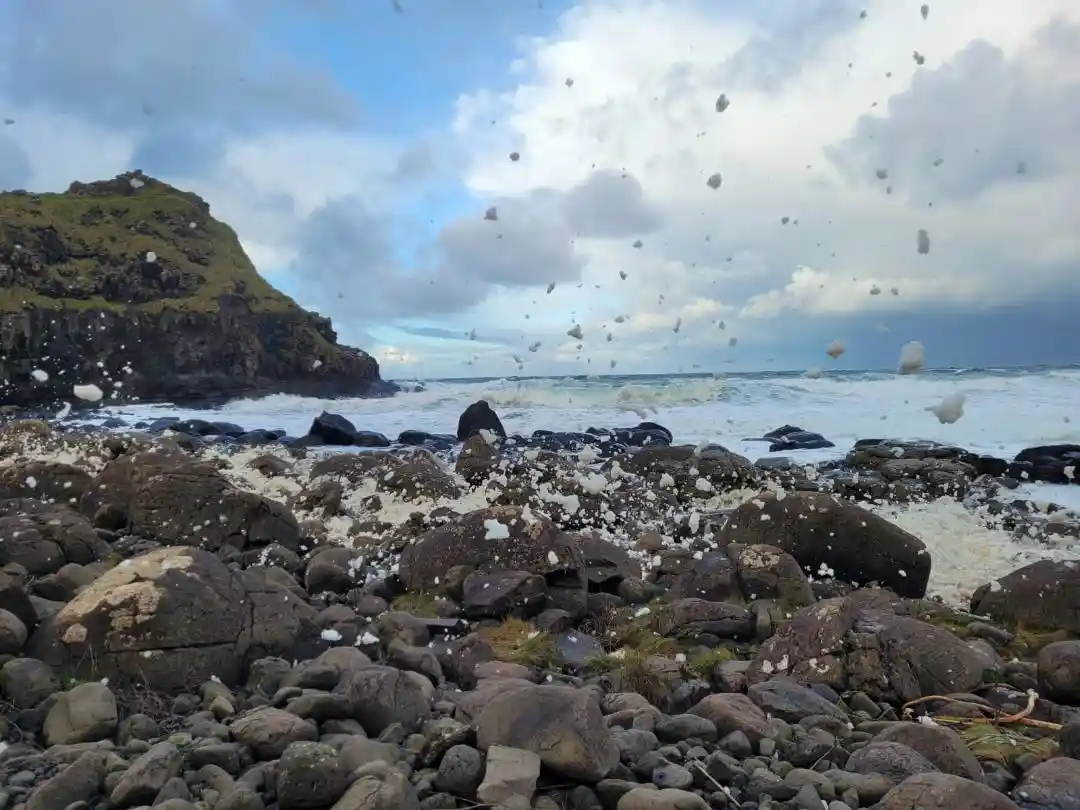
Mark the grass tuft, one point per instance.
(418, 603)
(74, 251)
(518, 642)
(702, 664)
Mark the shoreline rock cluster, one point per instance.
(600, 621)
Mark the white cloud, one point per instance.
(786, 148)
(613, 170)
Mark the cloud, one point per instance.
(381, 224)
(130, 62)
(801, 230)
(977, 122)
(526, 242)
(610, 204)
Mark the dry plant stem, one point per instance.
(722, 789)
(1021, 717)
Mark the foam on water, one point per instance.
(1005, 411)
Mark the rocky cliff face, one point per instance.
(131, 285)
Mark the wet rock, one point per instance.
(821, 531)
(685, 465)
(477, 417)
(1043, 594)
(477, 460)
(1050, 463)
(788, 438)
(332, 428)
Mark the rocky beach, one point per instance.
(197, 614)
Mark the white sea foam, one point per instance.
(1004, 412)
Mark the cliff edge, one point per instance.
(131, 285)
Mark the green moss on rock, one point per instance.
(137, 275)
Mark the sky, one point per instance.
(364, 153)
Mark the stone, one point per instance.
(509, 773)
(562, 724)
(145, 619)
(269, 731)
(147, 775)
(666, 799)
(942, 790)
(460, 771)
(25, 682)
(85, 713)
(733, 713)
(78, 782)
(311, 776)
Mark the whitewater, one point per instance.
(1005, 411)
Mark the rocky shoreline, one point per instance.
(196, 615)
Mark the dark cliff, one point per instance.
(131, 285)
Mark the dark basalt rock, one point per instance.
(1051, 463)
(479, 416)
(790, 437)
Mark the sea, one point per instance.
(1004, 411)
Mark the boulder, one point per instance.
(562, 724)
(860, 643)
(499, 538)
(477, 417)
(146, 621)
(930, 791)
(1043, 595)
(165, 495)
(823, 532)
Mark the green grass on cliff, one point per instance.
(103, 233)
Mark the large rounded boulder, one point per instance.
(164, 495)
(825, 533)
(172, 619)
(499, 538)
